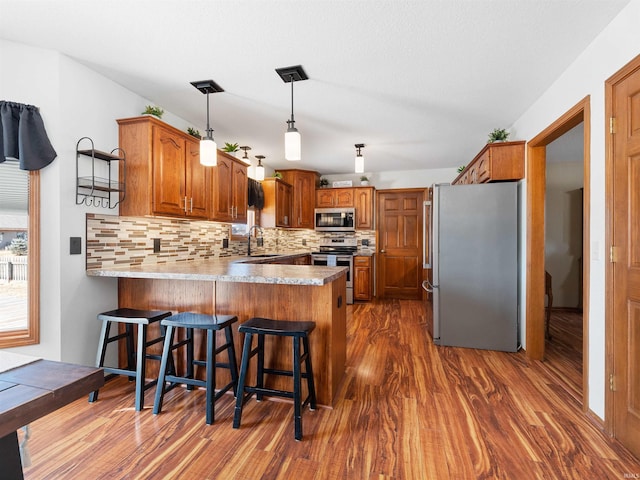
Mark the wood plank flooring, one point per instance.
(406, 410)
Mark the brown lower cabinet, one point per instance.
(363, 278)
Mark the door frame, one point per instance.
(535, 241)
(629, 68)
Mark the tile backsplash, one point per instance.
(119, 241)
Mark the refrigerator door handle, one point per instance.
(426, 227)
(428, 287)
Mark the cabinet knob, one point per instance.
(382, 251)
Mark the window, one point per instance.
(239, 230)
(20, 194)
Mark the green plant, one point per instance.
(324, 182)
(156, 111)
(364, 178)
(498, 135)
(193, 132)
(230, 147)
(461, 168)
(277, 175)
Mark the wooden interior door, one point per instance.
(400, 243)
(624, 291)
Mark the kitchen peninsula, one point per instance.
(248, 287)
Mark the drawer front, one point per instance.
(362, 261)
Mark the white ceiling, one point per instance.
(421, 83)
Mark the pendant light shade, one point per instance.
(208, 147)
(208, 152)
(259, 168)
(292, 141)
(292, 144)
(359, 158)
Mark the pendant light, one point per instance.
(359, 158)
(245, 157)
(208, 147)
(292, 147)
(259, 168)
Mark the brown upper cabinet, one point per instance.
(303, 186)
(334, 197)
(364, 207)
(277, 203)
(164, 174)
(229, 190)
(496, 162)
(359, 197)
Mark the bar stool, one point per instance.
(296, 330)
(192, 321)
(136, 358)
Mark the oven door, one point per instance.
(340, 261)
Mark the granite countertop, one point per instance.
(240, 269)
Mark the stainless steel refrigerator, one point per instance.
(474, 257)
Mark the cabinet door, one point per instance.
(364, 208)
(239, 197)
(304, 186)
(362, 278)
(197, 183)
(344, 197)
(222, 190)
(169, 152)
(283, 204)
(324, 198)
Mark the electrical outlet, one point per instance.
(365, 242)
(225, 243)
(75, 245)
(156, 245)
(304, 242)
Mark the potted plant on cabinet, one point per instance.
(323, 183)
(498, 135)
(231, 148)
(155, 111)
(364, 181)
(193, 132)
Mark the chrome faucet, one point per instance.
(260, 239)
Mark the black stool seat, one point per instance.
(170, 379)
(200, 320)
(136, 357)
(281, 328)
(298, 331)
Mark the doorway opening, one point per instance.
(535, 241)
(564, 198)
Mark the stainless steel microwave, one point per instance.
(335, 219)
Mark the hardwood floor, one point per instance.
(563, 353)
(406, 410)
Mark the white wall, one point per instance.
(610, 51)
(563, 230)
(400, 178)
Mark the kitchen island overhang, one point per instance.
(234, 286)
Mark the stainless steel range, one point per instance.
(337, 252)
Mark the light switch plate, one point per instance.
(75, 245)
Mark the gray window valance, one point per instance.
(24, 137)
